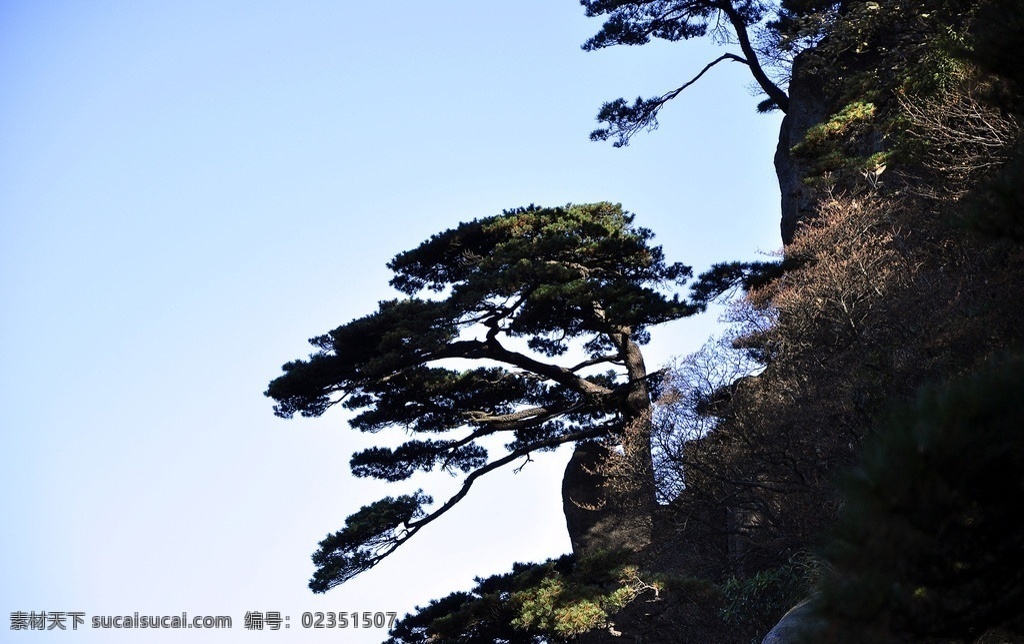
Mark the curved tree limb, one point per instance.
(774, 92)
(625, 121)
(349, 561)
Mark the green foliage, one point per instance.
(572, 605)
(553, 602)
(726, 277)
(756, 603)
(884, 302)
(930, 542)
(938, 70)
(636, 22)
(876, 55)
(839, 124)
(836, 146)
(800, 24)
(554, 279)
(484, 614)
(369, 535)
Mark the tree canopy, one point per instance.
(768, 35)
(526, 325)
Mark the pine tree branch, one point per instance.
(494, 350)
(381, 547)
(555, 441)
(739, 25)
(626, 121)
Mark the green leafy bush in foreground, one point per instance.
(930, 545)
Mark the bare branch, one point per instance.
(625, 121)
(492, 349)
(614, 359)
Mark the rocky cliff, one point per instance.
(899, 168)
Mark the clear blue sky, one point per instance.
(189, 190)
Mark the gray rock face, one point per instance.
(791, 628)
(598, 516)
(808, 106)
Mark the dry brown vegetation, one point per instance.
(892, 291)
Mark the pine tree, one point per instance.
(526, 325)
(755, 27)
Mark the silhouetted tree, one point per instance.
(637, 22)
(528, 326)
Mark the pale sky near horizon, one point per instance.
(189, 190)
